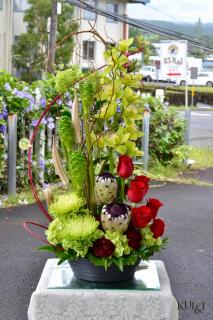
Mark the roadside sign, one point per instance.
(194, 72)
(173, 59)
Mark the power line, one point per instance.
(142, 25)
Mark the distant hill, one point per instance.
(187, 28)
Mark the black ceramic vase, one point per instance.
(83, 269)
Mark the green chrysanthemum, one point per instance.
(65, 204)
(77, 233)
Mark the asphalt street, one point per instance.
(201, 128)
(188, 257)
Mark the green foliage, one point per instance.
(76, 233)
(166, 134)
(64, 79)
(60, 253)
(30, 52)
(66, 133)
(144, 253)
(77, 170)
(120, 241)
(66, 204)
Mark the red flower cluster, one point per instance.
(103, 248)
(125, 167)
(141, 216)
(154, 205)
(157, 228)
(144, 214)
(134, 238)
(138, 189)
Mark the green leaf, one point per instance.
(47, 248)
(125, 44)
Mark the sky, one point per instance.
(173, 10)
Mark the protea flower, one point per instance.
(105, 188)
(115, 217)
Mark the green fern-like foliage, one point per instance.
(66, 204)
(77, 170)
(76, 233)
(66, 133)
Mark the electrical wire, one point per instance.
(142, 25)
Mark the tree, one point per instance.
(30, 52)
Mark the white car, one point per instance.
(203, 79)
(148, 73)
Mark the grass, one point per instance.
(178, 88)
(176, 171)
(25, 197)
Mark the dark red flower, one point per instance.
(103, 248)
(134, 238)
(154, 205)
(157, 228)
(141, 216)
(137, 190)
(125, 167)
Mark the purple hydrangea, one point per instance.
(7, 86)
(69, 103)
(15, 91)
(41, 164)
(59, 102)
(35, 121)
(29, 108)
(3, 128)
(51, 125)
(43, 102)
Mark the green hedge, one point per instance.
(176, 95)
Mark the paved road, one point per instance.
(188, 258)
(201, 128)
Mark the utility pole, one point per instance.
(53, 32)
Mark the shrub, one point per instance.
(166, 134)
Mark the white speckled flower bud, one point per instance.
(115, 217)
(105, 188)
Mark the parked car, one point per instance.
(148, 73)
(203, 79)
(151, 73)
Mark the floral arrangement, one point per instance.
(102, 215)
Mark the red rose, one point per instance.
(142, 178)
(134, 238)
(137, 191)
(157, 228)
(103, 248)
(141, 216)
(125, 167)
(154, 205)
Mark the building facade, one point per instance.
(88, 51)
(11, 26)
